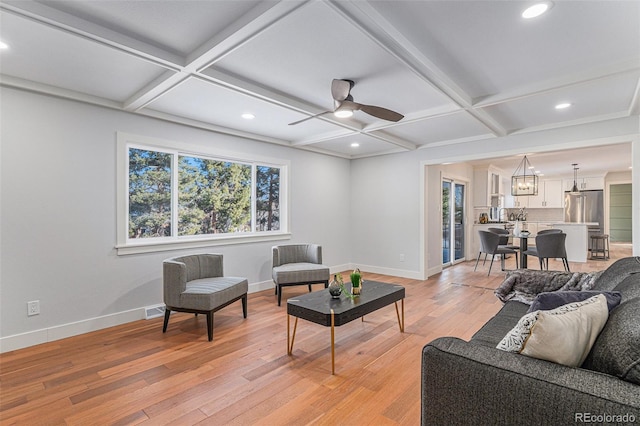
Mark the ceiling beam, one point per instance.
(371, 23)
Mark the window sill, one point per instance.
(173, 244)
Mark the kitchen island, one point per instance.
(577, 242)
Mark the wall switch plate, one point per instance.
(402, 258)
(33, 307)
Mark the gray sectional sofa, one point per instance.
(473, 383)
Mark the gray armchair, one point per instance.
(298, 264)
(196, 284)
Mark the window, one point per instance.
(175, 196)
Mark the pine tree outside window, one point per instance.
(177, 197)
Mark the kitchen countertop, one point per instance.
(575, 224)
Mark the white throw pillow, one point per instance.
(563, 335)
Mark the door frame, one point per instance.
(465, 217)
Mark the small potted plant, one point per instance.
(356, 281)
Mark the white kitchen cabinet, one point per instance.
(512, 202)
(487, 184)
(550, 195)
(585, 183)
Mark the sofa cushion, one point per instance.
(495, 329)
(563, 335)
(617, 349)
(301, 272)
(618, 272)
(629, 287)
(552, 300)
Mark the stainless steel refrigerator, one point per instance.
(587, 206)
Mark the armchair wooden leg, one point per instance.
(244, 305)
(167, 312)
(210, 325)
(279, 294)
(310, 288)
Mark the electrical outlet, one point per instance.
(402, 257)
(33, 307)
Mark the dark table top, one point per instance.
(316, 306)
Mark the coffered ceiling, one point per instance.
(458, 71)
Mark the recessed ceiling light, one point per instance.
(563, 105)
(536, 10)
(248, 116)
(355, 145)
(343, 113)
(3, 45)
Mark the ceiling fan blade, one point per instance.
(385, 114)
(309, 118)
(340, 89)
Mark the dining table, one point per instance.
(524, 245)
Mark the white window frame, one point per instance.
(126, 245)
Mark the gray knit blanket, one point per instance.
(525, 284)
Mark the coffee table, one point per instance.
(319, 307)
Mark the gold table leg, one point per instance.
(333, 348)
(400, 322)
(291, 340)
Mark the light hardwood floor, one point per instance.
(135, 374)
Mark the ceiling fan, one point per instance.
(345, 106)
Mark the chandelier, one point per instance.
(524, 181)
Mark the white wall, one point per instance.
(395, 198)
(58, 217)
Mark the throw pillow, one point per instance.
(617, 349)
(514, 340)
(565, 335)
(554, 299)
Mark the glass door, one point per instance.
(453, 213)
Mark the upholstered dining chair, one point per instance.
(490, 244)
(298, 264)
(550, 231)
(550, 245)
(504, 238)
(196, 284)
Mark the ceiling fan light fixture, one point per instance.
(343, 113)
(536, 10)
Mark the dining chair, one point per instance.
(504, 238)
(550, 231)
(550, 245)
(490, 245)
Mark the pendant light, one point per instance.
(574, 188)
(523, 183)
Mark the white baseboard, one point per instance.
(50, 334)
(414, 275)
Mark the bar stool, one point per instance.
(600, 246)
